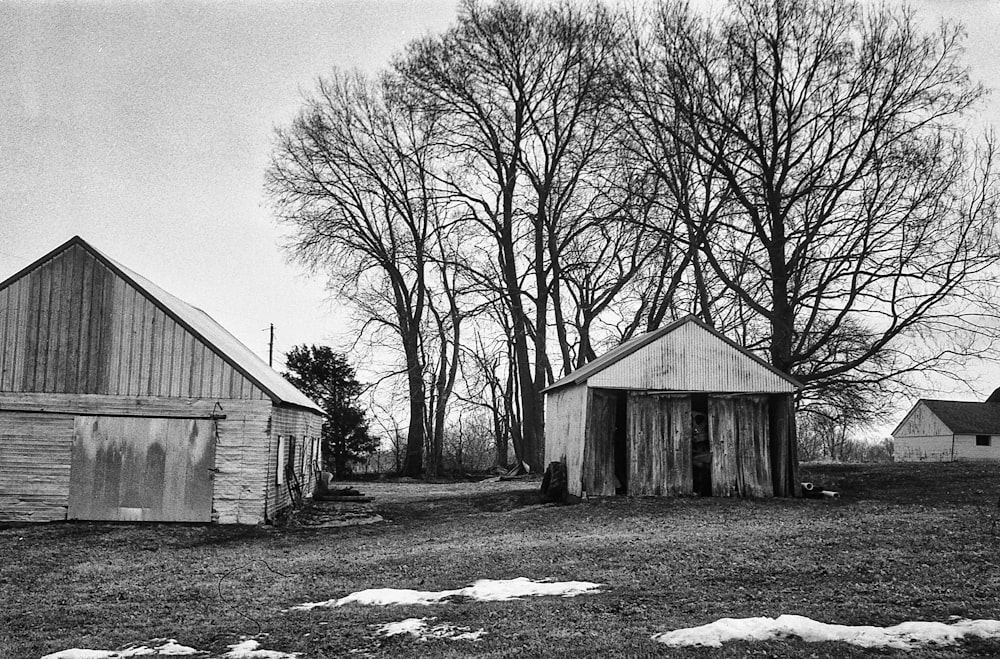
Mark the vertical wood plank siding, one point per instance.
(740, 437)
(565, 428)
(74, 326)
(599, 460)
(660, 444)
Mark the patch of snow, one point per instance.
(249, 649)
(418, 628)
(244, 650)
(903, 636)
(169, 648)
(484, 590)
(494, 590)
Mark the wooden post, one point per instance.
(270, 348)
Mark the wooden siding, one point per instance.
(738, 429)
(303, 426)
(690, 358)
(35, 454)
(72, 325)
(242, 458)
(43, 441)
(565, 429)
(599, 454)
(659, 436)
(142, 469)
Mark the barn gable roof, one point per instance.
(195, 321)
(966, 418)
(747, 359)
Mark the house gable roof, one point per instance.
(195, 321)
(965, 418)
(606, 361)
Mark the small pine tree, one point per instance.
(329, 380)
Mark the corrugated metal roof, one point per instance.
(686, 355)
(966, 418)
(203, 326)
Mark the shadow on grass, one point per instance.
(449, 507)
(929, 484)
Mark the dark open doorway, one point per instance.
(620, 439)
(701, 446)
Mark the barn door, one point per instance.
(738, 427)
(599, 458)
(659, 435)
(142, 469)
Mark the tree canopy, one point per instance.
(329, 380)
(539, 183)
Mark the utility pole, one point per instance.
(270, 348)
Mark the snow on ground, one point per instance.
(485, 590)
(167, 648)
(903, 636)
(418, 628)
(248, 649)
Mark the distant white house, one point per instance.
(949, 430)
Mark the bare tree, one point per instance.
(520, 89)
(857, 233)
(351, 176)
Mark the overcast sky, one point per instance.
(145, 128)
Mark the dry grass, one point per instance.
(906, 542)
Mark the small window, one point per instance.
(983, 440)
(316, 446)
(282, 451)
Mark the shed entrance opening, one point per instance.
(701, 446)
(620, 439)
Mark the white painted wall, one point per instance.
(966, 449)
(922, 437)
(932, 448)
(921, 422)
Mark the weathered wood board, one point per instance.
(599, 460)
(659, 431)
(34, 466)
(142, 469)
(72, 325)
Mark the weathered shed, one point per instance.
(679, 410)
(119, 401)
(949, 430)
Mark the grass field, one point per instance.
(905, 542)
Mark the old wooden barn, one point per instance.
(680, 410)
(948, 431)
(118, 401)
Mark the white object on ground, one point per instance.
(169, 648)
(484, 590)
(418, 628)
(903, 636)
(249, 649)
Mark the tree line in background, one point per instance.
(541, 182)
